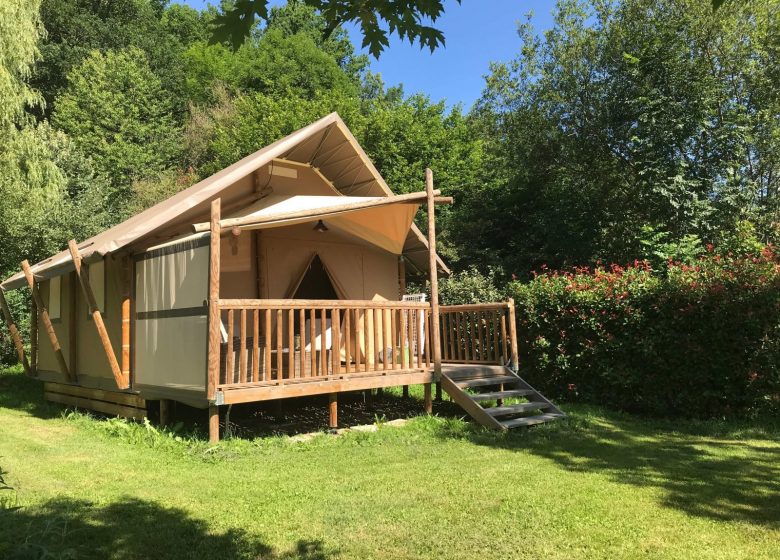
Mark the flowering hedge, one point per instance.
(695, 340)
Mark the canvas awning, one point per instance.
(381, 221)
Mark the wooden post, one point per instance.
(213, 423)
(73, 327)
(97, 318)
(212, 370)
(427, 399)
(14, 330)
(34, 338)
(434, 287)
(513, 334)
(333, 408)
(401, 276)
(44, 315)
(127, 271)
(164, 412)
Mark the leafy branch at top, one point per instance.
(377, 20)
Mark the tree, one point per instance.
(632, 121)
(20, 28)
(116, 110)
(403, 17)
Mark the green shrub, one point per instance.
(697, 340)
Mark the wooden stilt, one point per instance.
(43, 313)
(164, 412)
(428, 403)
(406, 391)
(438, 391)
(14, 330)
(333, 409)
(97, 318)
(213, 423)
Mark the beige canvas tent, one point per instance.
(282, 275)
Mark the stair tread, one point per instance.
(481, 382)
(531, 420)
(493, 395)
(516, 408)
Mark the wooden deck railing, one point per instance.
(273, 341)
(479, 333)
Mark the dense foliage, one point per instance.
(696, 339)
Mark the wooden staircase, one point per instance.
(472, 385)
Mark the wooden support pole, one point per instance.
(127, 271)
(212, 370)
(73, 327)
(405, 392)
(333, 409)
(513, 334)
(33, 338)
(44, 315)
(14, 330)
(164, 412)
(438, 391)
(213, 423)
(97, 318)
(428, 404)
(435, 345)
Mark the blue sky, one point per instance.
(477, 32)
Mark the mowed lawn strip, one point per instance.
(596, 485)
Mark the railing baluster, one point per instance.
(377, 328)
(403, 343)
(505, 354)
(290, 344)
(411, 338)
(242, 354)
(358, 340)
(418, 329)
(393, 338)
(336, 337)
(267, 341)
(427, 337)
(347, 342)
(366, 343)
(302, 342)
(255, 345)
(386, 342)
(459, 337)
(279, 339)
(323, 343)
(230, 356)
(445, 323)
(312, 342)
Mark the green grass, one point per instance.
(596, 485)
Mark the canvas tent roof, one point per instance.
(326, 144)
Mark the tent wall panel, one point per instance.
(171, 327)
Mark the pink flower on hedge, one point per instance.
(572, 387)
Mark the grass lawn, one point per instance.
(596, 485)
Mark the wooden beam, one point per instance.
(415, 198)
(435, 345)
(14, 330)
(164, 412)
(44, 315)
(34, 338)
(212, 370)
(97, 318)
(127, 271)
(73, 327)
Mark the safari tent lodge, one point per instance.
(280, 276)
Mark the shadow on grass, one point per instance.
(701, 470)
(129, 529)
(20, 392)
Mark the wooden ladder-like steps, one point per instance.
(496, 395)
(484, 382)
(457, 379)
(531, 420)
